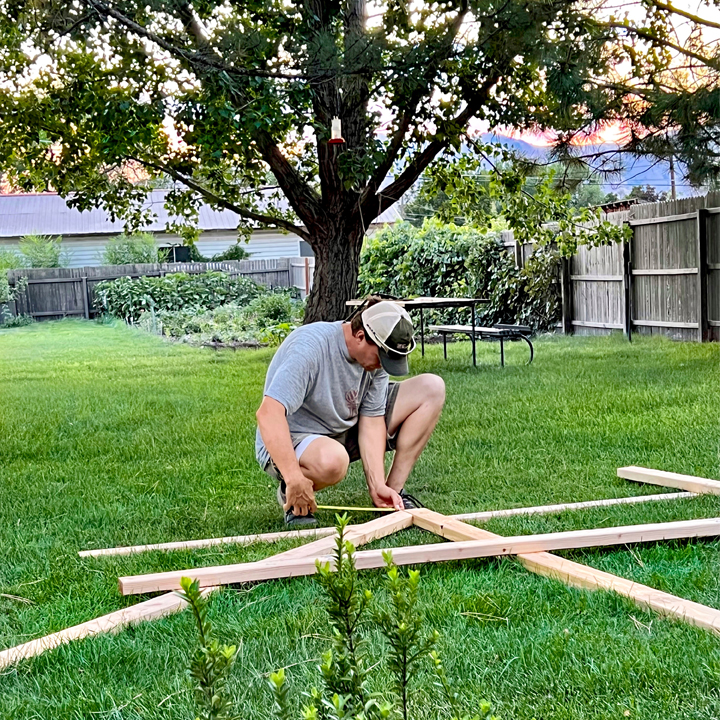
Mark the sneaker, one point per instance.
(292, 520)
(410, 502)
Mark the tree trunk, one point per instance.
(337, 262)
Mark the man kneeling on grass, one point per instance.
(328, 401)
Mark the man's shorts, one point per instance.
(348, 439)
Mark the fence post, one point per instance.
(627, 286)
(702, 263)
(86, 304)
(566, 296)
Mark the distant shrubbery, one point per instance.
(132, 249)
(444, 260)
(201, 308)
(40, 251)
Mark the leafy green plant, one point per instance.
(345, 668)
(212, 662)
(234, 252)
(9, 294)
(9, 260)
(445, 260)
(40, 251)
(128, 299)
(131, 249)
(402, 625)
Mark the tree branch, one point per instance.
(647, 35)
(684, 13)
(377, 203)
(222, 202)
(195, 60)
(398, 138)
(193, 24)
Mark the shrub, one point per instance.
(127, 298)
(270, 322)
(40, 251)
(444, 260)
(9, 260)
(131, 249)
(234, 252)
(13, 321)
(345, 668)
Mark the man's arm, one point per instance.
(275, 433)
(371, 439)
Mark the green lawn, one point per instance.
(111, 437)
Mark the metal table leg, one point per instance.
(502, 351)
(422, 333)
(473, 335)
(445, 345)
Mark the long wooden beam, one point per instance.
(170, 603)
(669, 479)
(581, 576)
(211, 542)
(156, 607)
(565, 507)
(600, 537)
(323, 532)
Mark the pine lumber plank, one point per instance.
(669, 479)
(551, 509)
(583, 577)
(156, 607)
(211, 542)
(461, 550)
(324, 532)
(170, 602)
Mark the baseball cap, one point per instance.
(389, 326)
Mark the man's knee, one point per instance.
(332, 465)
(433, 389)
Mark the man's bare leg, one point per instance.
(325, 462)
(417, 409)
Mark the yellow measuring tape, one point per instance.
(356, 509)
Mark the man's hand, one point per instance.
(300, 496)
(384, 496)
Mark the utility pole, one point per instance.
(673, 193)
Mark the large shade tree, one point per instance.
(233, 101)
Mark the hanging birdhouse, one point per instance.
(336, 137)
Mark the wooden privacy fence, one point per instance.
(54, 293)
(665, 280)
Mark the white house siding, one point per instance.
(87, 251)
(263, 244)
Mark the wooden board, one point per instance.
(463, 550)
(157, 607)
(550, 509)
(170, 603)
(582, 577)
(211, 542)
(324, 532)
(669, 479)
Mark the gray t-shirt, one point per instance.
(322, 388)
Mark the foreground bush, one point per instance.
(444, 260)
(346, 667)
(127, 298)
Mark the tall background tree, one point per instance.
(234, 101)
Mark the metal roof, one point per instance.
(48, 214)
